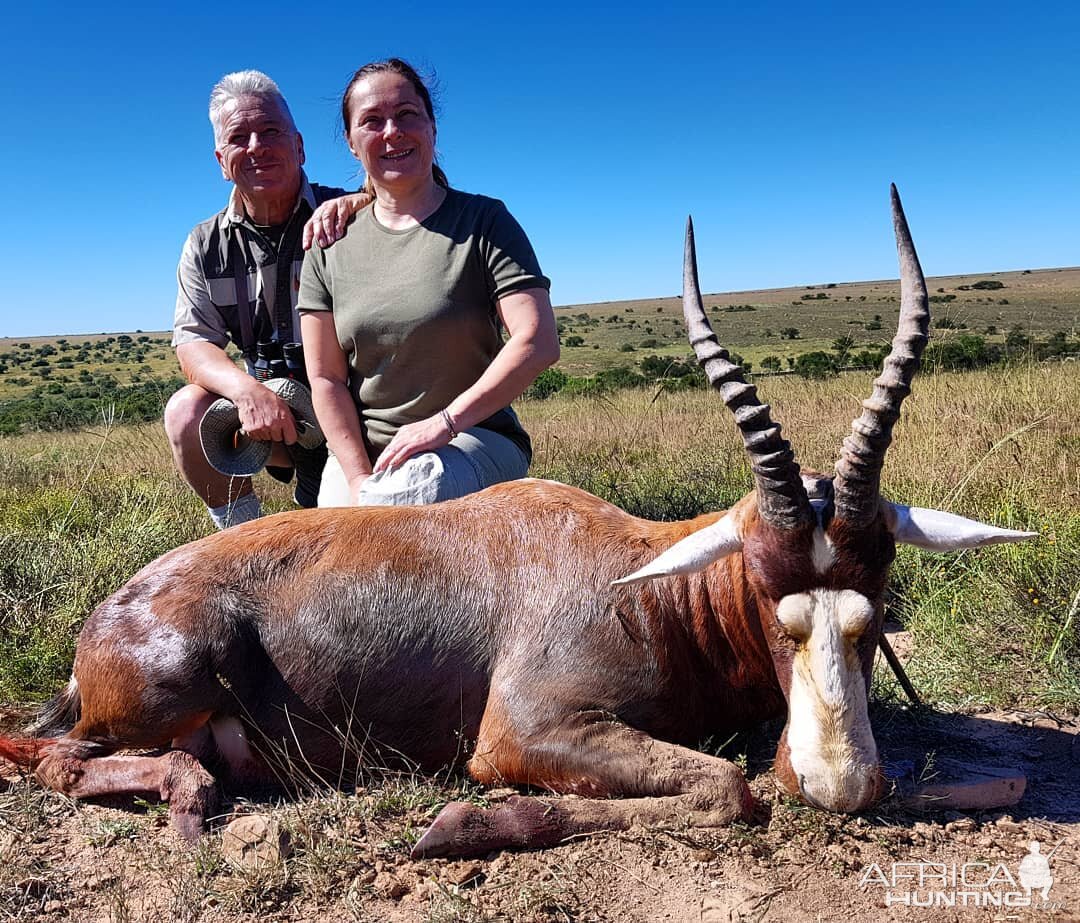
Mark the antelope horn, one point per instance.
(858, 472)
(781, 497)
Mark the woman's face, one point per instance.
(389, 130)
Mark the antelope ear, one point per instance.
(938, 531)
(693, 553)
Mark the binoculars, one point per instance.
(272, 360)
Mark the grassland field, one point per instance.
(621, 333)
(82, 510)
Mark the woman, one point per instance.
(410, 378)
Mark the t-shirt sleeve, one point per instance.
(314, 293)
(197, 318)
(508, 255)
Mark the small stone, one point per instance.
(702, 855)
(365, 878)
(469, 873)
(390, 886)
(962, 825)
(254, 841)
(53, 907)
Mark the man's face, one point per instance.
(260, 150)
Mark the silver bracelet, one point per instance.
(449, 423)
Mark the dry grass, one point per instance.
(962, 437)
(81, 512)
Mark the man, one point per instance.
(238, 280)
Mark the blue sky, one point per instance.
(778, 125)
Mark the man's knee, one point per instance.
(184, 412)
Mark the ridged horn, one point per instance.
(781, 497)
(858, 472)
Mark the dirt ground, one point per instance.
(63, 861)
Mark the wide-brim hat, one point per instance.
(231, 451)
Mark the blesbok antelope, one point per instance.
(542, 633)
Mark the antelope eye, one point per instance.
(795, 615)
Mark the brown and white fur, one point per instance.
(501, 631)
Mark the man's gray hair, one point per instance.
(243, 83)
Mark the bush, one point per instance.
(1016, 341)
(574, 341)
(82, 404)
(816, 365)
(547, 383)
(869, 358)
(842, 346)
(965, 352)
(987, 285)
(655, 367)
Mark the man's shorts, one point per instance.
(474, 460)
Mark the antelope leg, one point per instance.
(176, 777)
(658, 783)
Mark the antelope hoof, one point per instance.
(461, 829)
(191, 792)
(189, 825)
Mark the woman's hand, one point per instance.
(328, 222)
(413, 438)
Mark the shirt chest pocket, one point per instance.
(223, 291)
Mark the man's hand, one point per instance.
(264, 416)
(328, 222)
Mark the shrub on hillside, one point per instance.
(82, 403)
(816, 365)
(547, 383)
(656, 367)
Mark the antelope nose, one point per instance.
(845, 794)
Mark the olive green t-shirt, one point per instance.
(415, 310)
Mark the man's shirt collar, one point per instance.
(234, 211)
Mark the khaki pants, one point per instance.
(474, 460)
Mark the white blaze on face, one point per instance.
(823, 554)
(833, 754)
